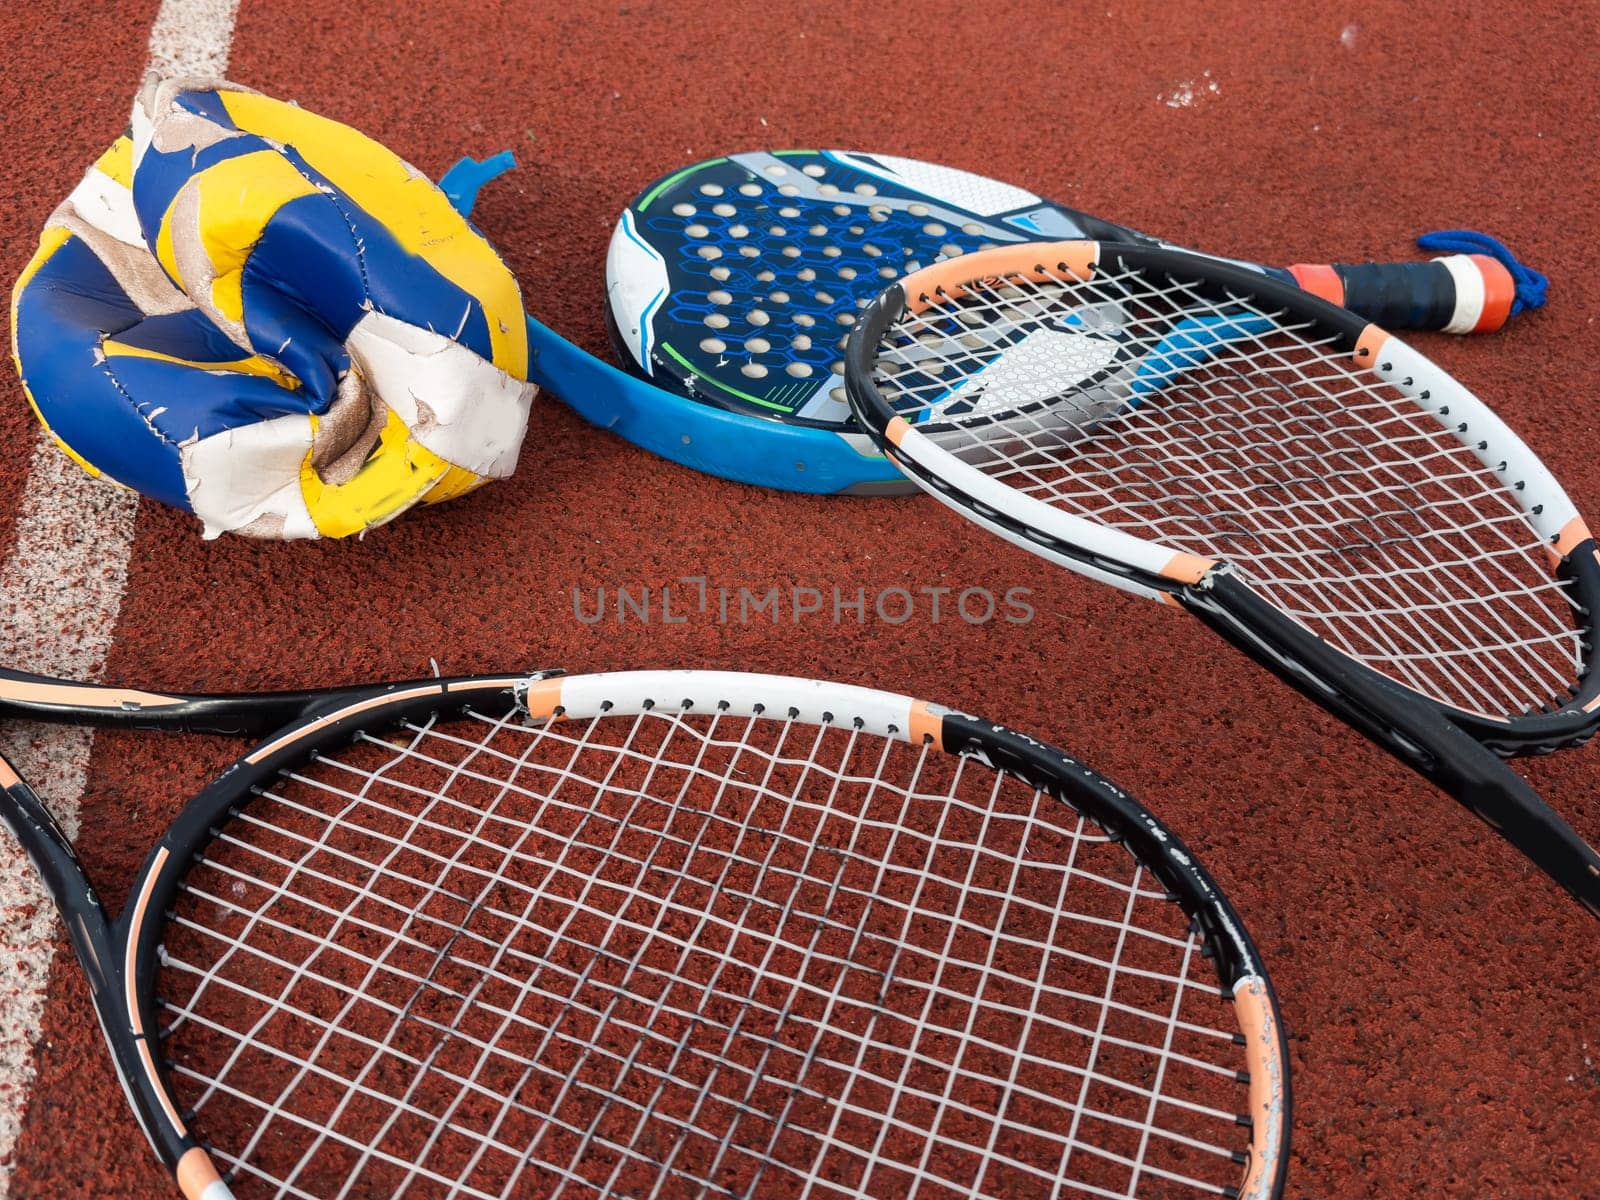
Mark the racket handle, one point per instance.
(1459, 293)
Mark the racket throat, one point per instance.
(1413, 730)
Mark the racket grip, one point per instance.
(1459, 293)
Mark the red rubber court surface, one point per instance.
(1440, 997)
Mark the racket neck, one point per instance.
(1411, 728)
(247, 714)
(101, 951)
(48, 848)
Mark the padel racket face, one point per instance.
(669, 933)
(735, 282)
(737, 279)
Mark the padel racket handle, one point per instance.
(1460, 293)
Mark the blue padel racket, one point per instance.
(733, 283)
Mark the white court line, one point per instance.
(59, 596)
(193, 37)
(60, 593)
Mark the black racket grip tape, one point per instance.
(1420, 295)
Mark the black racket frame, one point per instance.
(1458, 751)
(299, 724)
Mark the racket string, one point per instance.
(463, 1006)
(1242, 437)
(325, 1030)
(287, 865)
(1430, 465)
(1412, 625)
(560, 958)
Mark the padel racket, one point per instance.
(1311, 487)
(664, 933)
(734, 282)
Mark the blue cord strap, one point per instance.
(461, 182)
(1530, 285)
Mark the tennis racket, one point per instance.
(669, 933)
(734, 281)
(1312, 488)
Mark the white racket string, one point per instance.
(1333, 492)
(689, 953)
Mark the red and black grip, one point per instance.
(1461, 293)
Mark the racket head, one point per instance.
(1226, 422)
(733, 281)
(349, 967)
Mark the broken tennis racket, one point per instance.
(1315, 490)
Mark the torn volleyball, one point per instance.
(267, 318)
